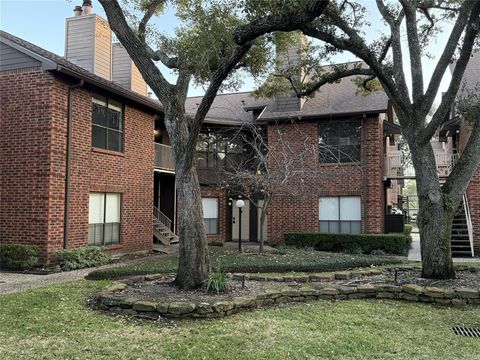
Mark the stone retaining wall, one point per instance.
(112, 299)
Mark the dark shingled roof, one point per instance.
(331, 100)
(69, 68)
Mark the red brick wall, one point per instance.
(213, 192)
(32, 160)
(25, 158)
(473, 191)
(300, 212)
(129, 173)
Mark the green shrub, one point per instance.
(397, 244)
(407, 229)
(217, 281)
(18, 257)
(82, 257)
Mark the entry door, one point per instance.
(245, 221)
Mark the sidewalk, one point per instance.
(15, 282)
(414, 253)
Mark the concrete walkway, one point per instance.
(15, 282)
(414, 253)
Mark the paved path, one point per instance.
(15, 282)
(414, 253)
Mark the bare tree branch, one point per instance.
(332, 77)
(151, 8)
(447, 55)
(415, 51)
(288, 21)
(471, 33)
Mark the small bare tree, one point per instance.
(275, 168)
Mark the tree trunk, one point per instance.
(435, 216)
(263, 216)
(193, 253)
(193, 249)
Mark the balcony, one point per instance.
(164, 158)
(399, 166)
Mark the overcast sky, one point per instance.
(43, 23)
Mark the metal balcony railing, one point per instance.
(164, 157)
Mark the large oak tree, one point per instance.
(217, 38)
(387, 57)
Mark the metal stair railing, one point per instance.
(469, 222)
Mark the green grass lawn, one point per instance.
(285, 260)
(53, 323)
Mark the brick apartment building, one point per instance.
(79, 165)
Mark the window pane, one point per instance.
(328, 208)
(114, 140)
(112, 208)
(356, 227)
(95, 208)
(108, 234)
(324, 226)
(339, 141)
(95, 234)
(345, 227)
(99, 115)
(334, 227)
(350, 208)
(115, 233)
(210, 208)
(99, 137)
(114, 119)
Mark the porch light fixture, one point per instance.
(240, 204)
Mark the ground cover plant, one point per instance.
(286, 259)
(53, 323)
(18, 257)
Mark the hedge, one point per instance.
(82, 257)
(397, 244)
(18, 257)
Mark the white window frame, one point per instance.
(210, 215)
(340, 222)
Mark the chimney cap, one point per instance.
(87, 3)
(78, 9)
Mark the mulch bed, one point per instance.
(163, 287)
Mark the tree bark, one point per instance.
(193, 252)
(263, 216)
(193, 248)
(435, 215)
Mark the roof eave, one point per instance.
(125, 94)
(319, 116)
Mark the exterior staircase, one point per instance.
(461, 239)
(161, 228)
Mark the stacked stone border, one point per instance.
(112, 300)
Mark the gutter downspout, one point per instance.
(66, 210)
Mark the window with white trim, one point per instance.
(107, 124)
(210, 215)
(104, 219)
(340, 214)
